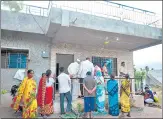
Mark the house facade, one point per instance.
(41, 42)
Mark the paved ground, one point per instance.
(147, 112)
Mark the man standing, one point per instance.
(73, 69)
(86, 66)
(122, 73)
(64, 90)
(122, 70)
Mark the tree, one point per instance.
(147, 69)
(15, 6)
(139, 75)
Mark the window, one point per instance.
(112, 66)
(14, 58)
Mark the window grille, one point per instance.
(101, 60)
(12, 58)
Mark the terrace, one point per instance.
(101, 9)
(134, 28)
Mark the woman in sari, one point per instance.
(26, 97)
(45, 94)
(105, 70)
(112, 88)
(97, 68)
(125, 92)
(100, 92)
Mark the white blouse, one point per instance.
(50, 83)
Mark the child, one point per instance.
(89, 94)
(155, 97)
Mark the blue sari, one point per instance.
(112, 88)
(100, 92)
(100, 98)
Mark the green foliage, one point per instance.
(79, 107)
(15, 6)
(3, 91)
(140, 74)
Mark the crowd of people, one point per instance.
(93, 87)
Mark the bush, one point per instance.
(78, 105)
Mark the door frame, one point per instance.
(56, 61)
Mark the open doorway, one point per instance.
(63, 60)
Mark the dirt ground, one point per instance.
(147, 112)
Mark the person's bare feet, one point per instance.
(47, 115)
(85, 116)
(63, 113)
(128, 115)
(122, 116)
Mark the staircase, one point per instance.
(152, 81)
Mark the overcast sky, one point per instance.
(150, 56)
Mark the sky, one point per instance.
(151, 56)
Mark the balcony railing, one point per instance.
(99, 8)
(140, 87)
(112, 10)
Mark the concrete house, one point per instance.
(56, 36)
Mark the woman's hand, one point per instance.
(131, 95)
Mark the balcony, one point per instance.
(101, 9)
(135, 28)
